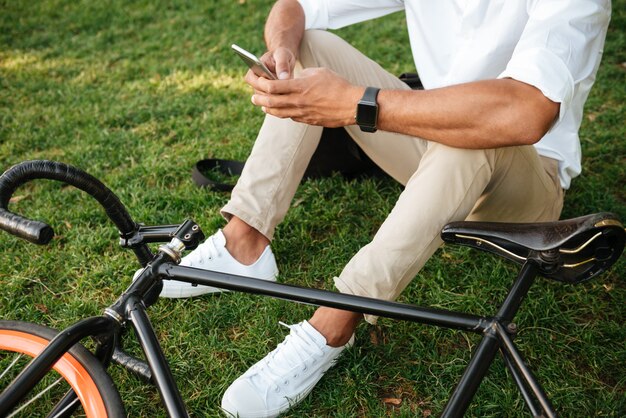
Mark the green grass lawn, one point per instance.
(135, 93)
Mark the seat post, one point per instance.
(518, 292)
(486, 350)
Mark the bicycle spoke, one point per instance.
(67, 408)
(39, 395)
(8, 369)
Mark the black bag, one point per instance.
(336, 153)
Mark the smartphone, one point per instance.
(254, 63)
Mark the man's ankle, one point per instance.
(243, 242)
(336, 325)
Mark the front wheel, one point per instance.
(76, 370)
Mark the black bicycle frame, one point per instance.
(496, 330)
(130, 307)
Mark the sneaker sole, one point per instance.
(226, 406)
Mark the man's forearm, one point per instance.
(483, 114)
(285, 26)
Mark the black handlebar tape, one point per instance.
(39, 232)
(136, 366)
(33, 231)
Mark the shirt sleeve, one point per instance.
(335, 14)
(561, 45)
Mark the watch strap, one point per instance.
(369, 101)
(370, 95)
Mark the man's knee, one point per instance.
(456, 157)
(315, 46)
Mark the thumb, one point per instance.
(283, 59)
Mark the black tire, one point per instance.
(100, 397)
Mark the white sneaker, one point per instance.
(213, 255)
(284, 377)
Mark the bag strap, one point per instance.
(226, 167)
(412, 80)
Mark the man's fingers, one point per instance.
(269, 62)
(284, 113)
(295, 115)
(271, 102)
(276, 86)
(251, 78)
(258, 83)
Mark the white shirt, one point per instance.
(554, 45)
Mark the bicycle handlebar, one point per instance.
(39, 232)
(33, 231)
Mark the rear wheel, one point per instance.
(76, 370)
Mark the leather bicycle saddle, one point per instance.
(572, 250)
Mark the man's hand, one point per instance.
(317, 97)
(281, 62)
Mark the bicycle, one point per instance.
(570, 251)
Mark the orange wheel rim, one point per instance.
(72, 371)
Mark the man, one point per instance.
(494, 136)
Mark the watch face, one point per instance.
(367, 114)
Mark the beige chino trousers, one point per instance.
(442, 184)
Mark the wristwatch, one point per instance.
(367, 110)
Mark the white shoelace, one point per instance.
(207, 251)
(295, 349)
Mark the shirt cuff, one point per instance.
(315, 14)
(544, 70)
